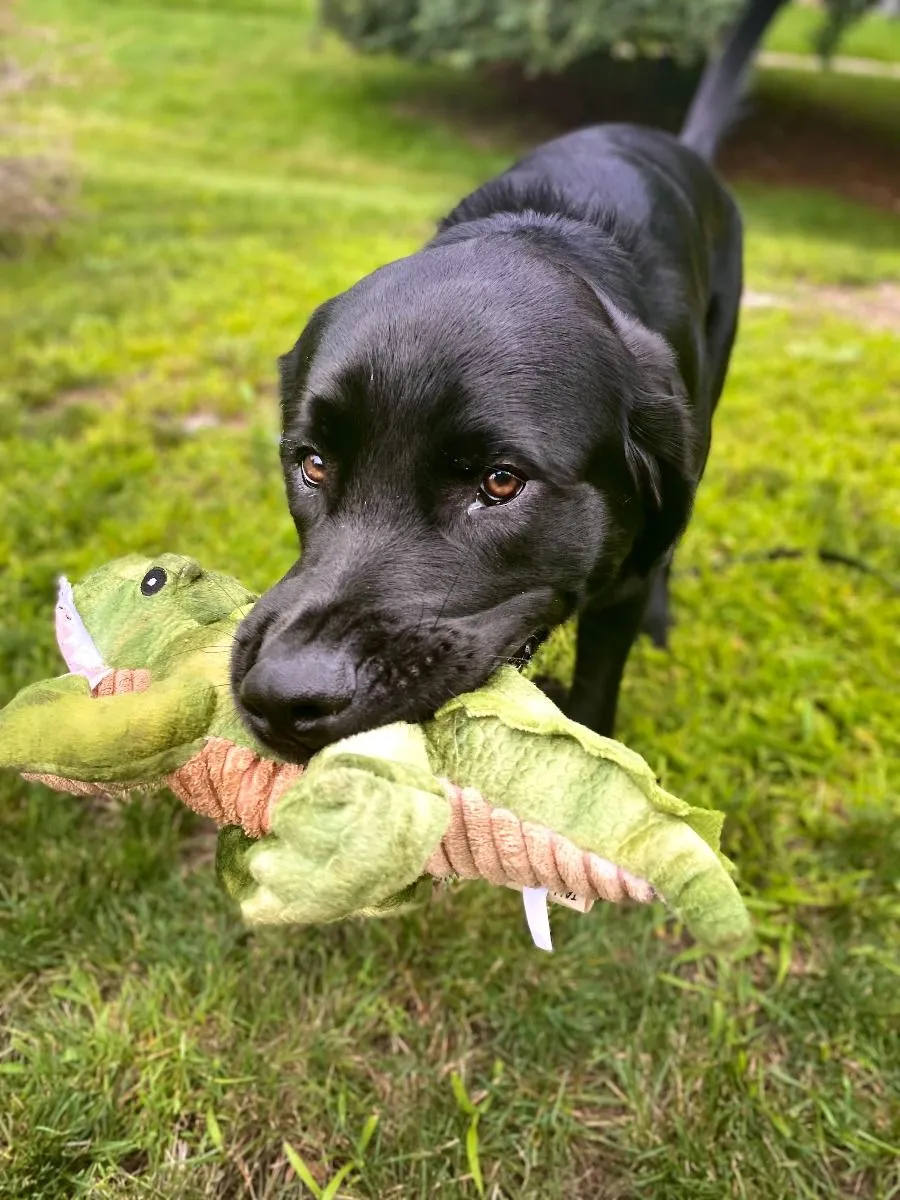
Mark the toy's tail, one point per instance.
(715, 104)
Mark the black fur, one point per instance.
(571, 320)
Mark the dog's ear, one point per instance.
(293, 367)
(291, 372)
(660, 442)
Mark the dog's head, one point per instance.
(472, 440)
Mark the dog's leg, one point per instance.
(605, 638)
(657, 616)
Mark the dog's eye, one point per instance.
(500, 485)
(313, 469)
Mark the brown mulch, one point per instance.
(805, 147)
(778, 143)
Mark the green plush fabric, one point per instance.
(195, 611)
(182, 634)
(354, 831)
(369, 829)
(352, 835)
(515, 746)
(57, 728)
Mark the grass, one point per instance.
(872, 101)
(874, 36)
(235, 175)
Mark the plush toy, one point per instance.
(499, 785)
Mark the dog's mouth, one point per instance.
(528, 649)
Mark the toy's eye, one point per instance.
(154, 581)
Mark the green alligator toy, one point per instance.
(498, 785)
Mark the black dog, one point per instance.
(502, 430)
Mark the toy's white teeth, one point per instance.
(75, 643)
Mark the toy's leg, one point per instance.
(57, 728)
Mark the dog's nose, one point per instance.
(298, 695)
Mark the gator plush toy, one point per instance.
(499, 785)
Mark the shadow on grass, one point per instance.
(823, 133)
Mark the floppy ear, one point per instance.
(293, 367)
(660, 445)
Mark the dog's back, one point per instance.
(642, 216)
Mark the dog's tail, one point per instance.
(715, 104)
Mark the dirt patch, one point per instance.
(846, 66)
(876, 307)
(37, 184)
(200, 421)
(88, 396)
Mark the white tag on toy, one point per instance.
(537, 916)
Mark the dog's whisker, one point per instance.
(456, 579)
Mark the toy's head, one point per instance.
(143, 612)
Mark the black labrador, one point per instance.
(503, 430)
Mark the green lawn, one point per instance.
(875, 36)
(234, 175)
(870, 100)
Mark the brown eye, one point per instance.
(313, 469)
(500, 485)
